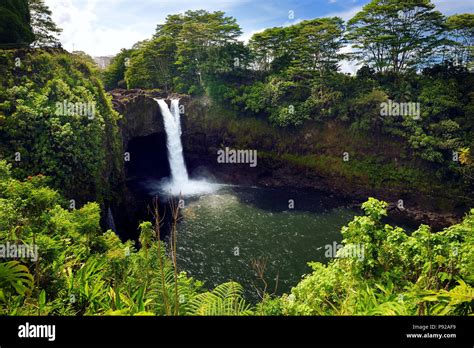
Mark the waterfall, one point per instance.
(172, 121)
(179, 183)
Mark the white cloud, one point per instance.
(447, 7)
(245, 37)
(83, 29)
(348, 66)
(346, 14)
(103, 27)
(100, 27)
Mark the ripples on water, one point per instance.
(225, 228)
(221, 233)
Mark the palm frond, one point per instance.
(14, 274)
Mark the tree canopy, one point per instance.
(15, 24)
(44, 28)
(406, 49)
(396, 35)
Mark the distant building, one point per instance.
(103, 62)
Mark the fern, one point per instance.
(225, 299)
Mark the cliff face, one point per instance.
(143, 138)
(141, 114)
(140, 111)
(326, 157)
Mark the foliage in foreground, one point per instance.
(419, 274)
(83, 271)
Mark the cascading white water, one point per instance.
(179, 183)
(172, 121)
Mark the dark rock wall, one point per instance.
(208, 128)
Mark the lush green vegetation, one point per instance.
(290, 75)
(422, 273)
(286, 76)
(80, 153)
(45, 30)
(83, 271)
(25, 22)
(15, 27)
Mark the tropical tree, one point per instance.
(317, 45)
(270, 49)
(200, 32)
(396, 35)
(44, 28)
(461, 31)
(114, 75)
(151, 66)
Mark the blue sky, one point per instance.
(103, 27)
